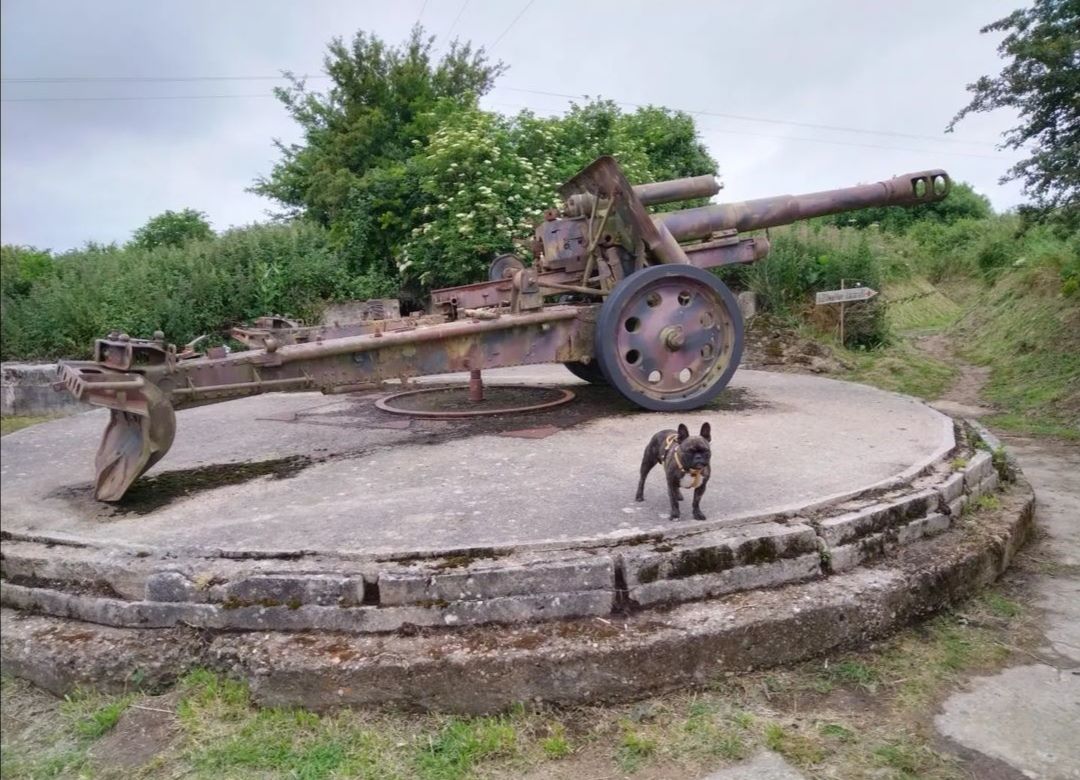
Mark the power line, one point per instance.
(457, 18)
(420, 15)
(502, 35)
(142, 79)
(133, 97)
(709, 129)
(306, 77)
(767, 120)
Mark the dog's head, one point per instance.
(694, 451)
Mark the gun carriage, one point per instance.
(635, 306)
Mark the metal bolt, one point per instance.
(673, 338)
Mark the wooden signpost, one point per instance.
(844, 296)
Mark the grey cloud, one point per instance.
(75, 171)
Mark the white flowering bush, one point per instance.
(486, 179)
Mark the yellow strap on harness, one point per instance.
(695, 474)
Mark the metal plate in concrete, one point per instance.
(316, 473)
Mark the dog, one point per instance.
(685, 459)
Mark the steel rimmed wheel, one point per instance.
(670, 337)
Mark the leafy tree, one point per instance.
(484, 179)
(172, 228)
(1041, 81)
(21, 266)
(383, 102)
(418, 185)
(962, 203)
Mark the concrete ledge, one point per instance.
(570, 662)
(26, 389)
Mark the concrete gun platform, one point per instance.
(335, 475)
(281, 517)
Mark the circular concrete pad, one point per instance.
(333, 474)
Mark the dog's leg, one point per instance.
(648, 460)
(673, 495)
(698, 493)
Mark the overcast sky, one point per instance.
(77, 166)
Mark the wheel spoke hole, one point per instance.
(685, 374)
(707, 320)
(707, 351)
(653, 300)
(655, 377)
(632, 324)
(633, 357)
(685, 297)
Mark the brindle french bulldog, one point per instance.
(686, 464)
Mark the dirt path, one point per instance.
(1025, 715)
(963, 398)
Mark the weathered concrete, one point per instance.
(26, 389)
(583, 660)
(363, 485)
(1027, 715)
(763, 766)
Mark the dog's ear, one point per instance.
(706, 432)
(684, 432)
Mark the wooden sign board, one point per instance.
(845, 296)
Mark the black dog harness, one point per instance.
(671, 445)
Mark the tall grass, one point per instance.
(202, 287)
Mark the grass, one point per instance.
(902, 368)
(1028, 333)
(12, 423)
(859, 714)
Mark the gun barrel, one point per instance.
(677, 189)
(907, 190)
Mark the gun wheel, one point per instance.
(669, 337)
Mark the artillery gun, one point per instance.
(637, 308)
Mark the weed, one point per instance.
(801, 750)
(634, 748)
(837, 732)
(1000, 605)
(958, 464)
(854, 673)
(461, 743)
(910, 759)
(92, 715)
(556, 745)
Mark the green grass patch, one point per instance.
(837, 732)
(800, 749)
(853, 674)
(902, 368)
(10, 424)
(914, 304)
(557, 745)
(462, 743)
(1028, 333)
(1001, 606)
(635, 747)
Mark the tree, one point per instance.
(383, 102)
(1041, 81)
(418, 185)
(484, 180)
(172, 228)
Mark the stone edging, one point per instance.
(568, 662)
(121, 589)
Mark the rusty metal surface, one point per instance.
(588, 254)
(391, 403)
